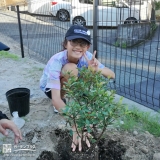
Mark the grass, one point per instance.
(37, 69)
(123, 45)
(33, 71)
(26, 120)
(153, 27)
(1, 153)
(3, 139)
(141, 121)
(5, 54)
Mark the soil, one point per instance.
(41, 124)
(107, 149)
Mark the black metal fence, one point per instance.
(133, 57)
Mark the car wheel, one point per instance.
(79, 21)
(63, 15)
(130, 20)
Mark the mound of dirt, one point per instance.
(117, 145)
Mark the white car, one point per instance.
(109, 13)
(61, 9)
(39, 6)
(118, 13)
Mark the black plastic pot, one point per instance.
(18, 100)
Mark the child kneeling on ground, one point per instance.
(75, 55)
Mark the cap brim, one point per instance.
(3, 47)
(76, 37)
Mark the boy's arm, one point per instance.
(56, 99)
(59, 104)
(106, 72)
(95, 65)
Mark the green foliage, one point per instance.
(25, 119)
(124, 45)
(90, 103)
(142, 121)
(117, 44)
(157, 5)
(5, 54)
(153, 27)
(1, 153)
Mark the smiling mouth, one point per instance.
(78, 52)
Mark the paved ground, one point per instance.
(137, 69)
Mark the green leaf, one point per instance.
(71, 132)
(87, 121)
(105, 113)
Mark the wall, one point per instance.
(131, 34)
(12, 2)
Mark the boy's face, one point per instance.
(77, 47)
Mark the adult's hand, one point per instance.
(77, 140)
(8, 124)
(93, 63)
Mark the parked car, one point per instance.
(119, 13)
(110, 13)
(61, 9)
(39, 6)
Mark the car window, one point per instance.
(107, 3)
(135, 2)
(86, 1)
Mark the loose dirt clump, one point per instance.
(46, 155)
(110, 149)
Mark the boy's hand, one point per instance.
(77, 140)
(93, 63)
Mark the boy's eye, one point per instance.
(82, 43)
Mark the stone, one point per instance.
(135, 133)
(121, 122)
(62, 126)
(156, 156)
(34, 140)
(144, 149)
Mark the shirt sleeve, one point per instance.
(3, 116)
(53, 71)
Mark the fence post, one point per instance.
(20, 31)
(95, 25)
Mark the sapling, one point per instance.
(90, 104)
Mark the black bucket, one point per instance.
(18, 100)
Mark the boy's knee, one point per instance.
(70, 67)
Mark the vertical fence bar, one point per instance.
(153, 16)
(95, 25)
(20, 31)
(71, 17)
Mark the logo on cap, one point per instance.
(82, 32)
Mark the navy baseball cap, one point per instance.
(77, 31)
(3, 47)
